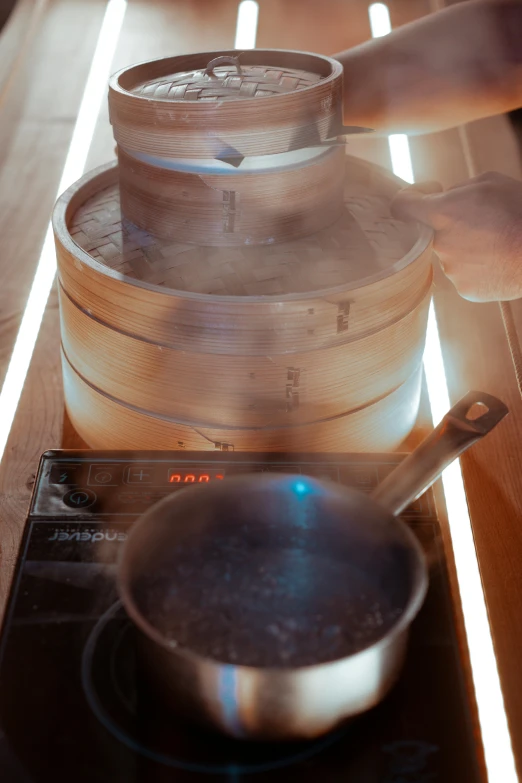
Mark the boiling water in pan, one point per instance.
(243, 601)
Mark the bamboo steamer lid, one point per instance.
(257, 340)
(226, 104)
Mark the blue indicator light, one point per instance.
(301, 488)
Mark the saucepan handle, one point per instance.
(470, 419)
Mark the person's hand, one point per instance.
(478, 232)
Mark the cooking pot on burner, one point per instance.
(300, 524)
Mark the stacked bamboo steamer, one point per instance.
(236, 281)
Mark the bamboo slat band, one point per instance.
(513, 341)
(230, 428)
(247, 390)
(101, 186)
(243, 208)
(227, 324)
(343, 339)
(104, 424)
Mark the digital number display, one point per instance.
(194, 476)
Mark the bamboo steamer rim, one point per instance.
(107, 175)
(424, 294)
(123, 81)
(278, 163)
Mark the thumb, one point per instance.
(420, 203)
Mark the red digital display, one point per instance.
(194, 477)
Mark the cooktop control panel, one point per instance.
(81, 484)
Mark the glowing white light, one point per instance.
(246, 30)
(434, 371)
(400, 156)
(496, 739)
(95, 90)
(380, 22)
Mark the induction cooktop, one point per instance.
(73, 703)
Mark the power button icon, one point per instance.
(79, 498)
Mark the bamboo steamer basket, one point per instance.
(233, 207)
(266, 390)
(106, 423)
(211, 105)
(229, 199)
(323, 335)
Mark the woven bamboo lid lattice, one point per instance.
(206, 105)
(224, 79)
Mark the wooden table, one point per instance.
(45, 54)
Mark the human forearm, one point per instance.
(445, 69)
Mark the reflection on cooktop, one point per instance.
(120, 700)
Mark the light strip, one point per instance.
(246, 30)
(496, 738)
(95, 90)
(400, 156)
(380, 24)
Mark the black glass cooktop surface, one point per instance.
(74, 706)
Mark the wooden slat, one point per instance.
(476, 355)
(492, 146)
(37, 116)
(37, 113)
(38, 424)
(16, 37)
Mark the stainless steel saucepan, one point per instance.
(277, 606)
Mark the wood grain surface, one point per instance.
(244, 390)
(380, 425)
(37, 114)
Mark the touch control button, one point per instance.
(103, 477)
(64, 474)
(79, 498)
